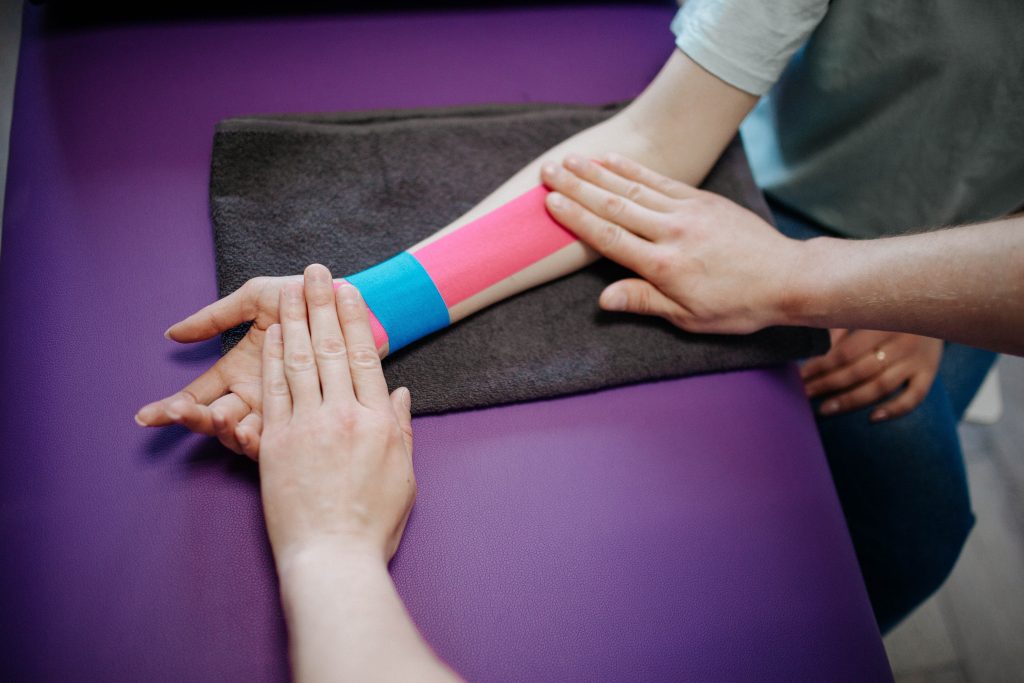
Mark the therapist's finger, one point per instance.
(364, 364)
(610, 240)
(299, 363)
(277, 397)
(608, 205)
(632, 190)
(328, 344)
(627, 168)
(634, 295)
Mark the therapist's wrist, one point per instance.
(809, 297)
(305, 572)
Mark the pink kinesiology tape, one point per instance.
(484, 252)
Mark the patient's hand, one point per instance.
(226, 400)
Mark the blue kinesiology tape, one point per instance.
(404, 299)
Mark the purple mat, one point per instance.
(686, 530)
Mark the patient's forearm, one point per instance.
(679, 126)
(962, 284)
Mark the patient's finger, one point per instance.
(202, 390)
(627, 168)
(328, 344)
(299, 365)
(610, 240)
(612, 207)
(277, 398)
(237, 307)
(364, 364)
(248, 434)
(632, 190)
(225, 414)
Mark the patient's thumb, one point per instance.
(636, 296)
(401, 402)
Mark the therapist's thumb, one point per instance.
(638, 296)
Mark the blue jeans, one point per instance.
(902, 483)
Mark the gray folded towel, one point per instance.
(349, 190)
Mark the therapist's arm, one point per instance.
(337, 483)
(709, 265)
(679, 125)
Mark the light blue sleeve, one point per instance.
(746, 43)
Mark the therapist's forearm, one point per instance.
(346, 622)
(962, 284)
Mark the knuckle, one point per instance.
(674, 225)
(278, 387)
(843, 354)
(634, 191)
(330, 347)
(363, 356)
(298, 361)
(610, 236)
(348, 421)
(641, 300)
(613, 206)
(254, 284)
(660, 267)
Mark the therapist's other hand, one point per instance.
(706, 263)
(865, 366)
(336, 454)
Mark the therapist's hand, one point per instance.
(225, 401)
(336, 453)
(864, 366)
(705, 263)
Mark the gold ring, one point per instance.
(880, 355)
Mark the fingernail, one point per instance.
(406, 398)
(167, 332)
(573, 162)
(138, 421)
(218, 419)
(243, 437)
(614, 301)
(829, 407)
(556, 200)
(549, 169)
(879, 415)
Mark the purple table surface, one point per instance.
(685, 530)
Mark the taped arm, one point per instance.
(508, 243)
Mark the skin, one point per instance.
(850, 376)
(337, 483)
(709, 265)
(684, 107)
